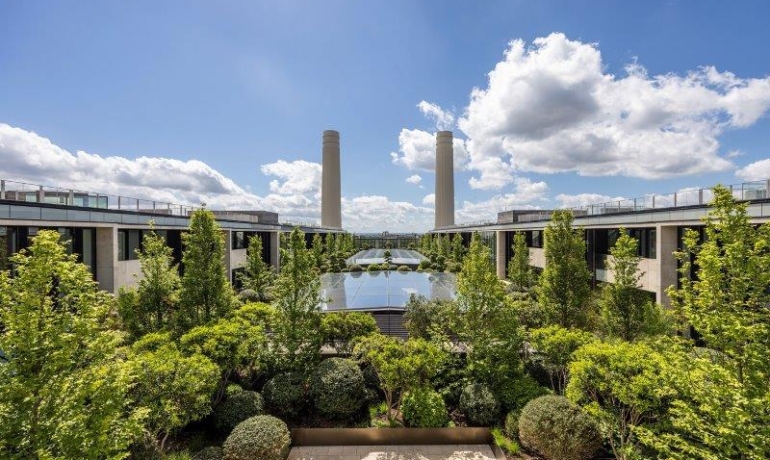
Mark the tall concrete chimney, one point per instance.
(445, 180)
(331, 198)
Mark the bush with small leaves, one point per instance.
(284, 395)
(479, 404)
(259, 438)
(558, 429)
(337, 388)
(424, 264)
(424, 408)
(404, 268)
(238, 407)
(355, 268)
(373, 268)
(511, 426)
(210, 453)
(248, 295)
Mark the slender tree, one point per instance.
(257, 275)
(64, 390)
(206, 291)
(519, 270)
(318, 250)
(458, 251)
(564, 287)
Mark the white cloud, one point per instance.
(378, 213)
(429, 199)
(417, 151)
(526, 195)
(759, 170)
(414, 179)
(443, 119)
(584, 199)
(551, 108)
(298, 177)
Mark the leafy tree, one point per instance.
(487, 323)
(624, 385)
(318, 250)
(257, 275)
(298, 338)
(173, 388)
(341, 328)
(564, 288)
(152, 306)
(458, 250)
(626, 310)
(556, 346)
(429, 319)
(63, 386)
(401, 366)
(519, 270)
(388, 257)
(206, 291)
(727, 303)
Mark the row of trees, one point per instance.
(443, 252)
(330, 253)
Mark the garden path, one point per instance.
(424, 452)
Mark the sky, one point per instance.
(552, 103)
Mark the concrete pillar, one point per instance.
(2, 189)
(445, 182)
(501, 260)
(666, 244)
(331, 197)
(228, 256)
(106, 257)
(275, 250)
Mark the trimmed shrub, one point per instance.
(514, 393)
(371, 379)
(511, 427)
(210, 453)
(355, 268)
(425, 264)
(558, 429)
(478, 403)
(284, 395)
(404, 268)
(337, 388)
(248, 295)
(419, 270)
(232, 389)
(373, 268)
(454, 267)
(259, 438)
(238, 407)
(424, 408)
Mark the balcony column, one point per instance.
(501, 259)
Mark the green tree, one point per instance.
(206, 291)
(298, 336)
(727, 303)
(555, 348)
(318, 250)
(626, 310)
(340, 329)
(257, 275)
(487, 323)
(458, 250)
(63, 385)
(564, 287)
(519, 270)
(173, 388)
(401, 366)
(429, 319)
(152, 306)
(388, 258)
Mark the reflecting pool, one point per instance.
(382, 289)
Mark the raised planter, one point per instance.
(388, 436)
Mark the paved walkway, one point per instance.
(448, 452)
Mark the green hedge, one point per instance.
(259, 438)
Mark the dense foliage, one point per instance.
(555, 346)
(558, 429)
(285, 394)
(340, 329)
(424, 408)
(519, 269)
(259, 438)
(238, 407)
(479, 404)
(337, 388)
(257, 275)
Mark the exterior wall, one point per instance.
(127, 274)
(667, 264)
(106, 257)
(237, 259)
(275, 250)
(537, 257)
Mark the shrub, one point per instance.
(259, 438)
(238, 407)
(424, 408)
(479, 404)
(420, 270)
(515, 392)
(373, 268)
(424, 264)
(355, 268)
(340, 328)
(210, 453)
(454, 267)
(337, 388)
(558, 429)
(284, 395)
(508, 445)
(404, 268)
(511, 427)
(248, 295)
(232, 389)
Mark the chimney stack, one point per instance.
(445, 181)
(331, 197)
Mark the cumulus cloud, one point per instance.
(414, 179)
(759, 170)
(584, 199)
(443, 119)
(296, 177)
(377, 213)
(429, 199)
(417, 151)
(552, 108)
(526, 195)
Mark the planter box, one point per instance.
(388, 436)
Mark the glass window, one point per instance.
(134, 242)
(239, 240)
(122, 244)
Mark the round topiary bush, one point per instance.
(337, 388)
(248, 295)
(425, 263)
(404, 268)
(238, 407)
(424, 408)
(210, 453)
(284, 395)
(558, 429)
(373, 268)
(479, 404)
(259, 438)
(511, 427)
(355, 268)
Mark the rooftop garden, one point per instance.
(182, 367)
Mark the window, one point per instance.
(128, 242)
(535, 239)
(239, 240)
(647, 238)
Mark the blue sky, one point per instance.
(225, 103)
